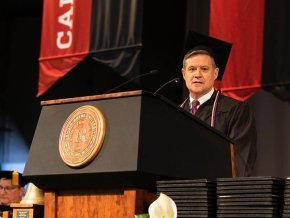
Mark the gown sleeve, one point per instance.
(242, 129)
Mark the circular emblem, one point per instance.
(82, 136)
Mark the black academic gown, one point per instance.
(235, 120)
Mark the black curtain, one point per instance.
(276, 71)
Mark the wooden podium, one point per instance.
(147, 138)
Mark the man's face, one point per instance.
(10, 193)
(199, 74)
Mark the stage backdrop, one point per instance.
(109, 32)
(257, 30)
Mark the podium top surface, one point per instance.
(95, 97)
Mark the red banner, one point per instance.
(240, 22)
(65, 39)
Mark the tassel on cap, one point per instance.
(5, 214)
(15, 178)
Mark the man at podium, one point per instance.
(202, 65)
(11, 187)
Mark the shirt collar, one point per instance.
(203, 98)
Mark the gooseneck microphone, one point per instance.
(132, 79)
(175, 80)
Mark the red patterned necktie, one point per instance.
(194, 105)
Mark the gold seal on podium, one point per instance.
(82, 136)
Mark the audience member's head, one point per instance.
(11, 187)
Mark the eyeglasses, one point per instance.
(8, 188)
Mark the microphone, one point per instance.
(176, 80)
(130, 80)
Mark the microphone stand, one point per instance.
(176, 80)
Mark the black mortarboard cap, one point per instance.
(218, 49)
(16, 177)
